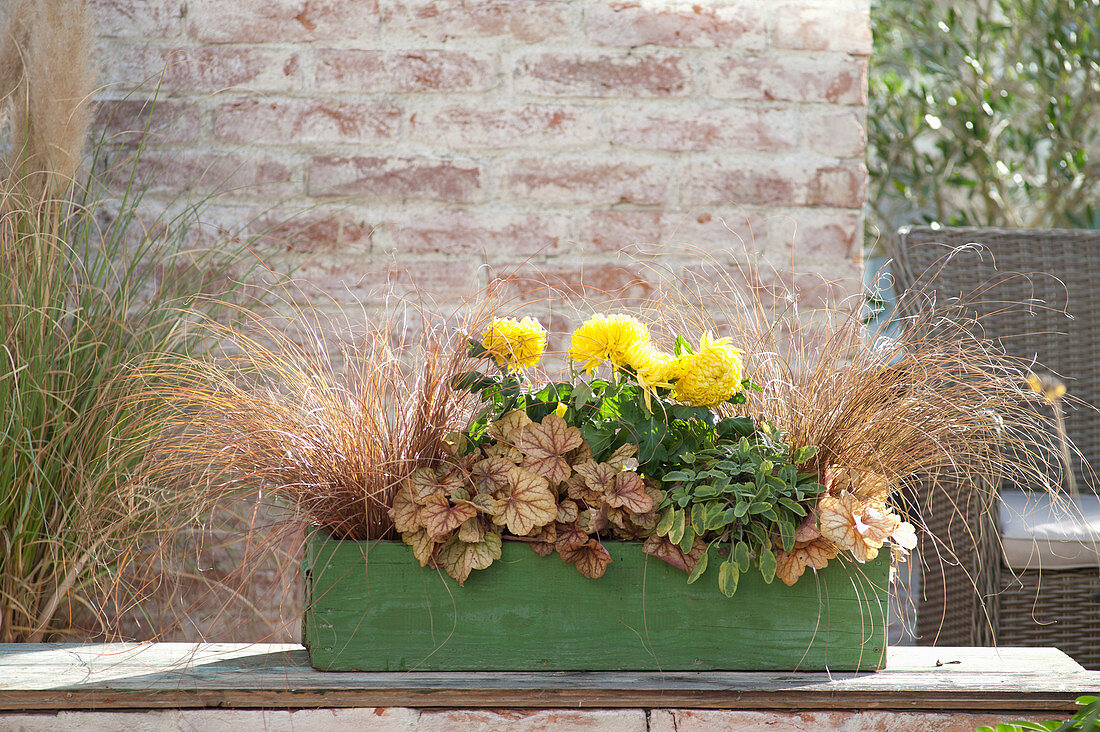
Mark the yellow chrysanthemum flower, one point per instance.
(709, 376)
(606, 338)
(652, 367)
(515, 344)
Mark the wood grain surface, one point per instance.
(179, 675)
(373, 608)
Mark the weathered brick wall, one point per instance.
(444, 142)
(436, 144)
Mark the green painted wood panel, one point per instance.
(371, 607)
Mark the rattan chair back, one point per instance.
(1036, 292)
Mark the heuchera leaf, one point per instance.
(580, 454)
(451, 478)
(623, 457)
(598, 477)
(790, 565)
(503, 451)
(527, 504)
(472, 531)
(567, 511)
(665, 550)
(629, 492)
(423, 482)
(405, 512)
(570, 536)
(458, 558)
(577, 489)
(440, 517)
(807, 530)
(544, 447)
(591, 521)
(423, 545)
(492, 474)
(591, 559)
(507, 428)
(544, 540)
(904, 538)
(858, 526)
(485, 503)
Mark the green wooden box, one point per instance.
(371, 607)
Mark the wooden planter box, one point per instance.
(371, 607)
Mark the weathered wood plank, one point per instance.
(153, 676)
(371, 607)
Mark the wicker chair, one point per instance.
(1058, 273)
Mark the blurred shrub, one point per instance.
(984, 114)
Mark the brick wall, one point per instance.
(431, 145)
(438, 143)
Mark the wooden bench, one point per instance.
(948, 688)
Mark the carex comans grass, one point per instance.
(327, 429)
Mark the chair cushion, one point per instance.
(1041, 531)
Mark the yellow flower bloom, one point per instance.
(711, 375)
(606, 338)
(515, 344)
(652, 367)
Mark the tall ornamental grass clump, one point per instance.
(84, 297)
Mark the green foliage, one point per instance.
(984, 114)
(744, 493)
(1086, 719)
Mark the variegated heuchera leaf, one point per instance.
(526, 504)
(662, 548)
(628, 492)
(458, 558)
(423, 546)
(567, 511)
(404, 511)
(492, 474)
(570, 536)
(860, 527)
(591, 559)
(623, 457)
(599, 478)
(816, 554)
(544, 447)
(544, 540)
(423, 482)
(440, 517)
(903, 540)
(472, 531)
(506, 429)
(863, 484)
